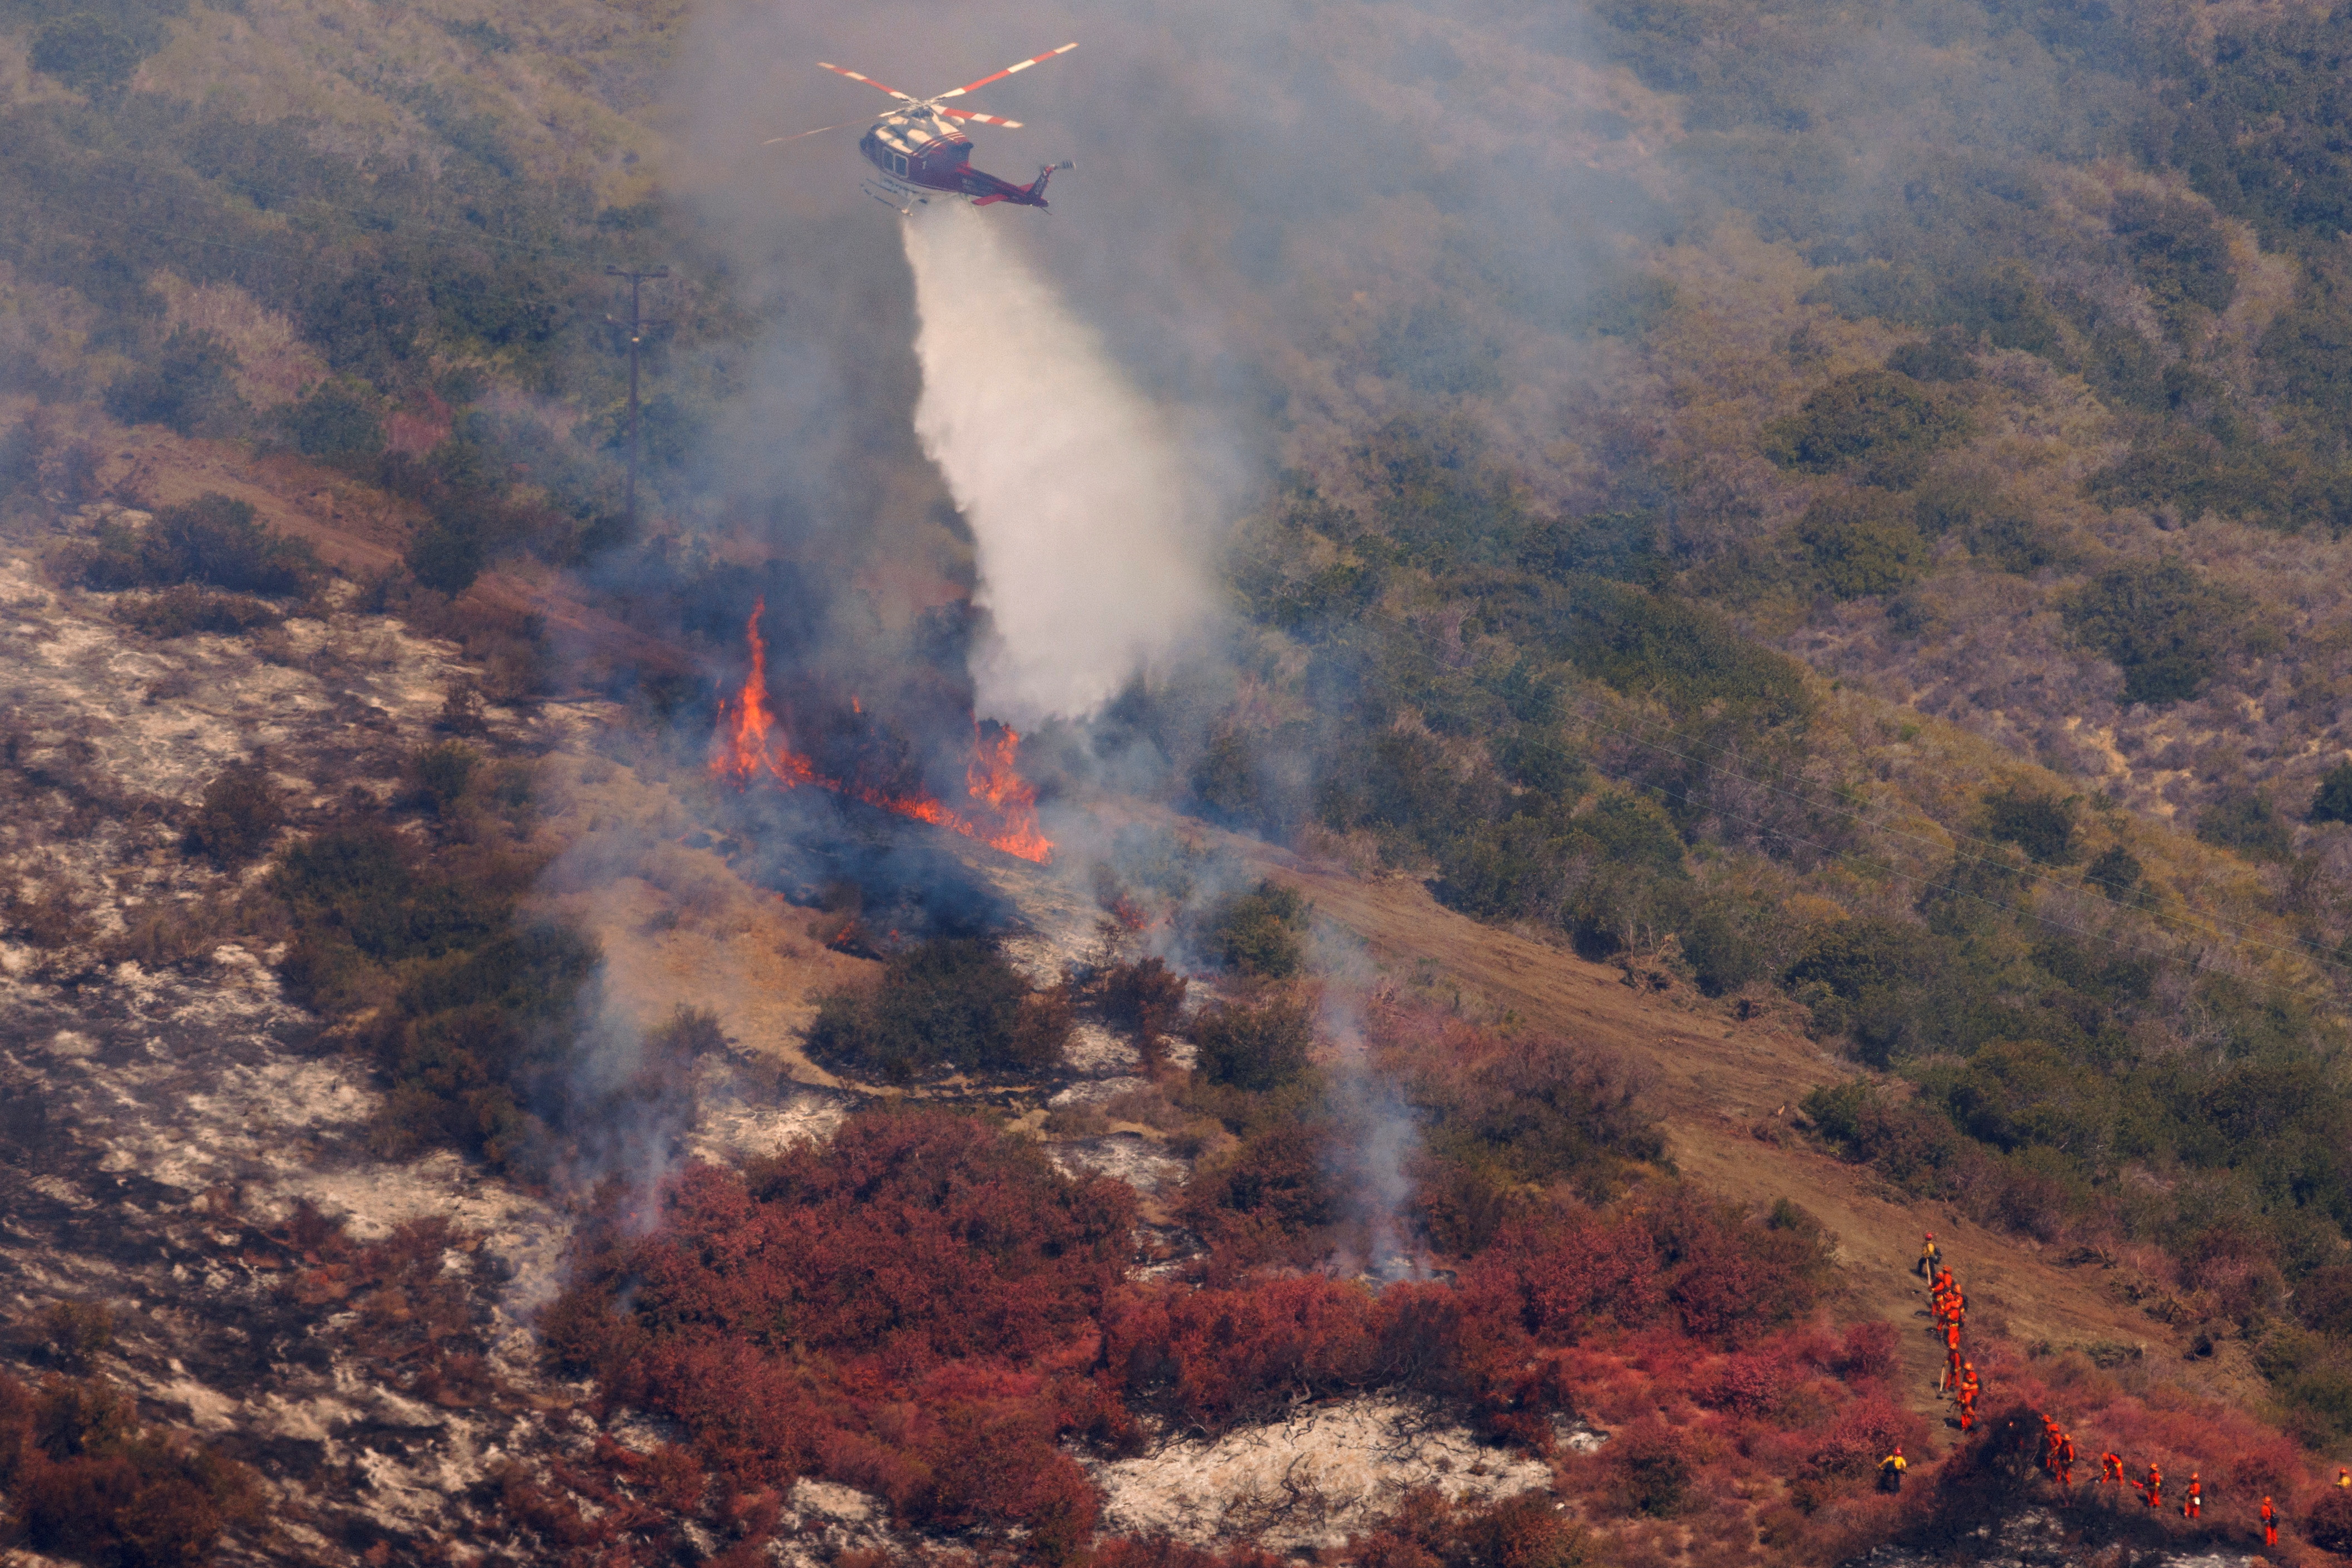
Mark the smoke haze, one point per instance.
(1086, 518)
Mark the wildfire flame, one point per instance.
(752, 741)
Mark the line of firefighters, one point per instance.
(1947, 1312)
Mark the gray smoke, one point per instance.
(1379, 1133)
(1088, 519)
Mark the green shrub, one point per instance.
(1943, 355)
(1434, 350)
(2244, 820)
(2015, 542)
(361, 886)
(240, 810)
(212, 539)
(2116, 871)
(1225, 779)
(1867, 978)
(1500, 869)
(2040, 825)
(1629, 307)
(1620, 546)
(947, 1003)
(1261, 933)
(2180, 252)
(446, 556)
(2161, 622)
(1255, 1046)
(1729, 941)
(86, 53)
(1884, 423)
(2332, 801)
(1685, 655)
(333, 423)
(2011, 1094)
(187, 609)
(2124, 368)
(1954, 503)
(1542, 762)
(1861, 543)
(2004, 303)
(1874, 288)
(1632, 831)
(2196, 471)
(188, 384)
(439, 774)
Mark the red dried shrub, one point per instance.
(1868, 1352)
(2327, 1522)
(1564, 1273)
(1166, 1551)
(1427, 1531)
(1255, 1202)
(1213, 1357)
(928, 1310)
(909, 1308)
(84, 1479)
(1726, 1280)
(414, 1319)
(1145, 998)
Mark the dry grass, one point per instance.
(274, 365)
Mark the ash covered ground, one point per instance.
(187, 1149)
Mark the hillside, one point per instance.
(1330, 858)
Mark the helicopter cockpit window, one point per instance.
(897, 163)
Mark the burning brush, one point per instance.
(1000, 807)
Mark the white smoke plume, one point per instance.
(1088, 516)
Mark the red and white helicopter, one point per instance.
(922, 154)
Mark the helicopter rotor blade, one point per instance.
(859, 76)
(995, 119)
(1008, 70)
(820, 131)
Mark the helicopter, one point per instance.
(922, 154)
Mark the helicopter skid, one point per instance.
(903, 199)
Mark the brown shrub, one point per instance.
(240, 810)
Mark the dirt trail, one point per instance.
(1717, 1077)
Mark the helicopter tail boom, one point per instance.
(1032, 195)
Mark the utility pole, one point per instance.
(637, 336)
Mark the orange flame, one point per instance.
(745, 723)
(752, 741)
(991, 780)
